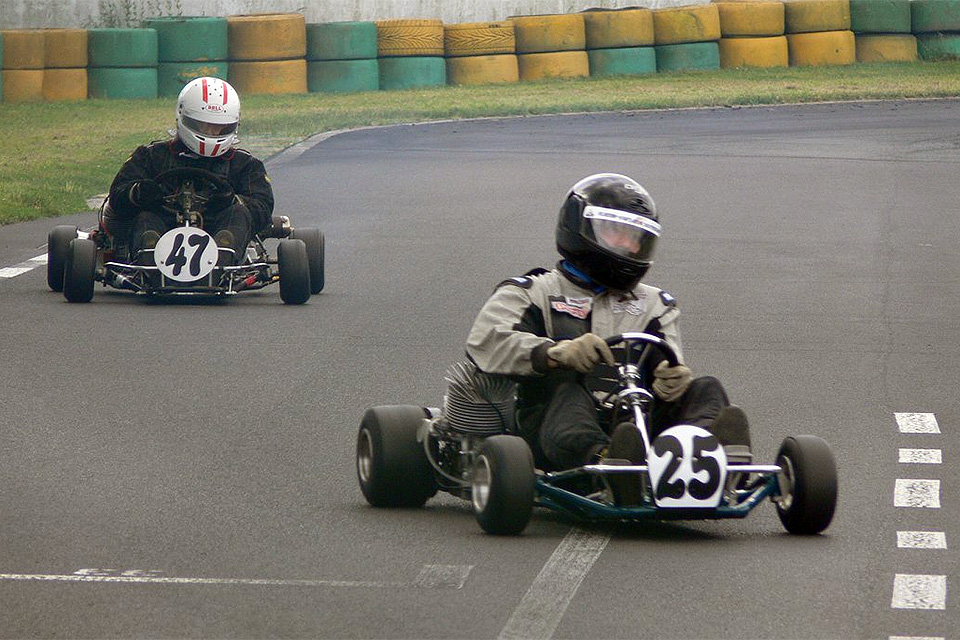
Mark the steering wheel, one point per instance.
(646, 343)
(206, 185)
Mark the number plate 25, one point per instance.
(186, 254)
(688, 468)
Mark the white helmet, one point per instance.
(208, 113)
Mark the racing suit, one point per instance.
(556, 412)
(249, 211)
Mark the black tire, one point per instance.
(294, 268)
(58, 247)
(79, 270)
(313, 238)
(392, 467)
(503, 485)
(810, 497)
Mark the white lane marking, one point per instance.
(920, 456)
(924, 494)
(23, 267)
(917, 423)
(430, 577)
(921, 540)
(912, 591)
(543, 606)
(916, 637)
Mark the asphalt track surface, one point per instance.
(187, 470)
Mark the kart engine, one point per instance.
(478, 403)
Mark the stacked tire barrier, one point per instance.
(936, 24)
(882, 30)
(551, 46)
(481, 52)
(22, 65)
(65, 64)
(620, 42)
(686, 38)
(818, 32)
(268, 53)
(123, 63)
(752, 35)
(189, 48)
(342, 57)
(410, 54)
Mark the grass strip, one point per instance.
(54, 156)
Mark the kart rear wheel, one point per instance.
(392, 466)
(79, 270)
(503, 485)
(294, 268)
(313, 238)
(58, 246)
(810, 479)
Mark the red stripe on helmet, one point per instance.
(204, 83)
(202, 148)
(215, 149)
(224, 84)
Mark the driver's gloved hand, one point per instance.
(221, 200)
(280, 226)
(581, 354)
(145, 194)
(669, 383)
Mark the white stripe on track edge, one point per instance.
(23, 267)
(541, 609)
(920, 456)
(921, 540)
(919, 592)
(917, 423)
(924, 494)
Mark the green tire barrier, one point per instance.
(939, 46)
(880, 16)
(173, 76)
(343, 76)
(342, 41)
(113, 82)
(887, 47)
(621, 62)
(190, 39)
(692, 56)
(929, 16)
(410, 72)
(123, 48)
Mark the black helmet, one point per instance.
(608, 229)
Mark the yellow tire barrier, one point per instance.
(268, 36)
(750, 19)
(678, 25)
(763, 52)
(546, 34)
(270, 76)
(22, 48)
(409, 38)
(493, 69)
(64, 84)
(65, 48)
(618, 29)
(22, 85)
(806, 16)
(821, 48)
(479, 39)
(556, 64)
(887, 48)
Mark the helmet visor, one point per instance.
(210, 129)
(621, 232)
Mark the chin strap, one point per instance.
(579, 278)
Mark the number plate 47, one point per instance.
(186, 254)
(688, 468)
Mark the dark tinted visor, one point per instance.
(210, 129)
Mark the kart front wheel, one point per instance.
(79, 270)
(392, 466)
(58, 248)
(503, 485)
(313, 238)
(294, 268)
(809, 485)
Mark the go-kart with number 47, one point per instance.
(186, 260)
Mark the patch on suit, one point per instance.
(634, 307)
(579, 308)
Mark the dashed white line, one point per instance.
(922, 494)
(23, 267)
(917, 423)
(921, 540)
(911, 591)
(920, 456)
(916, 637)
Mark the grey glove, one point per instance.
(669, 383)
(581, 354)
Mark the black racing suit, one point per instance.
(248, 213)
(556, 412)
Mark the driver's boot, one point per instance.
(733, 431)
(226, 242)
(626, 445)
